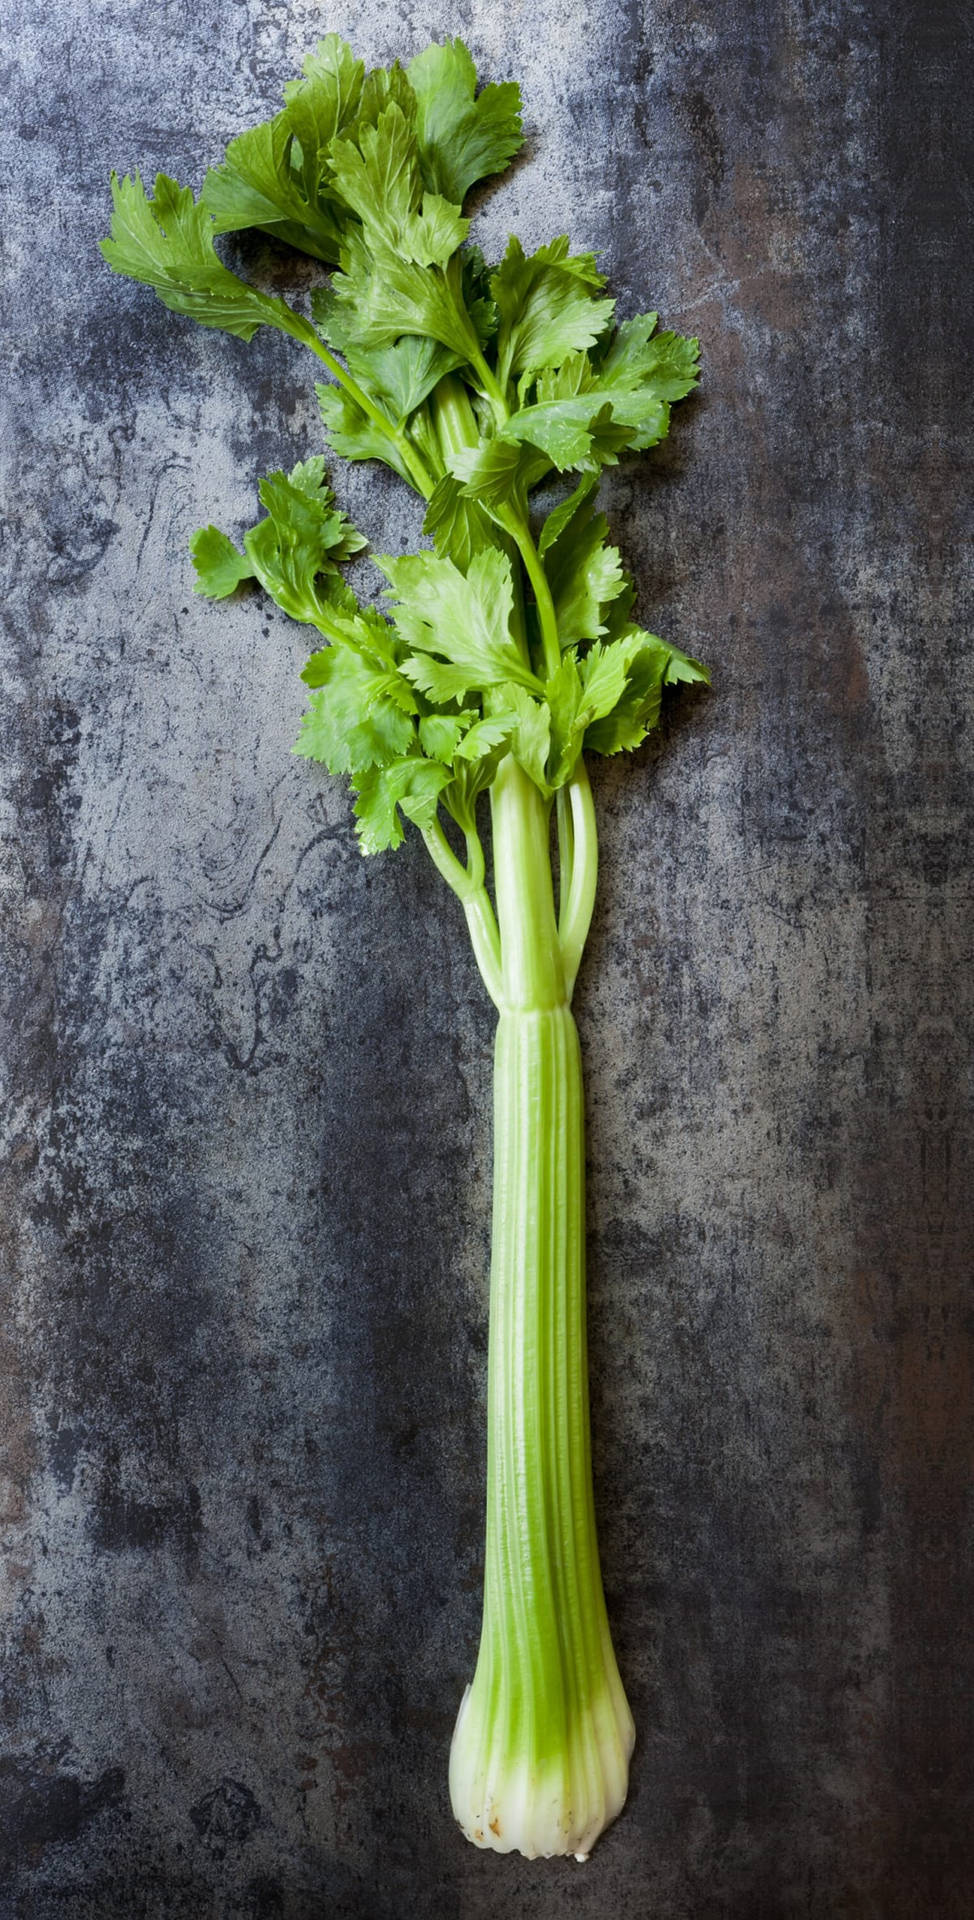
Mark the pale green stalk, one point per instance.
(540, 1754)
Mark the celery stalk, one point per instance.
(509, 652)
(540, 1754)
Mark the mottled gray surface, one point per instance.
(246, 1174)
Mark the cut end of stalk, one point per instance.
(553, 1807)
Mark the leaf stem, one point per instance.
(456, 424)
(534, 568)
(476, 867)
(534, 974)
(467, 883)
(485, 940)
(491, 386)
(540, 1754)
(566, 855)
(421, 477)
(575, 916)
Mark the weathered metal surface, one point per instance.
(245, 1179)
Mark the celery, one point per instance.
(509, 652)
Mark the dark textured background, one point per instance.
(246, 1176)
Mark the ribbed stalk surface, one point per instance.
(541, 1748)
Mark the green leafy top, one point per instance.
(476, 385)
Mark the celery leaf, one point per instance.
(458, 527)
(462, 620)
(412, 784)
(295, 552)
(434, 233)
(377, 174)
(355, 716)
(354, 434)
(462, 138)
(638, 358)
(167, 244)
(585, 574)
(379, 295)
(531, 737)
(560, 516)
(258, 186)
(276, 176)
(548, 306)
(653, 665)
(220, 567)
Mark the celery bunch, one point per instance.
(509, 651)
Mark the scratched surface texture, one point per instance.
(247, 1074)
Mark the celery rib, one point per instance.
(541, 1749)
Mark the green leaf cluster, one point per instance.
(418, 708)
(167, 244)
(477, 384)
(295, 552)
(353, 161)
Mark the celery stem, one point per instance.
(547, 618)
(566, 856)
(542, 1743)
(534, 974)
(456, 422)
(421, 478)
(491, 386)
(468, 884)
(578, 903)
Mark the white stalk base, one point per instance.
(554, 1808)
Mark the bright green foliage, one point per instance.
(376, 172)
(499, 473)
(475, 385)
(360, 713)
(277, 177)
(463, 618)
(383, 292)
(359, 435)
(412, 785)
(295, 553)
(637, 358)
(585, 574)
(653, 666)
(220, 567)
(548, 306)
(257, 186)
(456, 523)
(400, 374)
(167, 243)
(462, 138)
